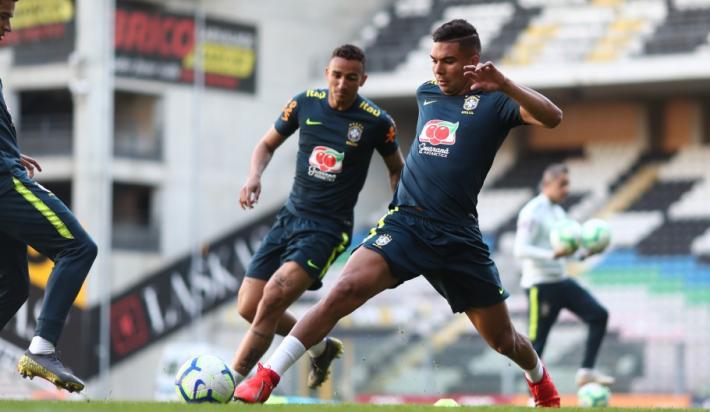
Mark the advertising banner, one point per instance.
(156, 44)
(43, 31)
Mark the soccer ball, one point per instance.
(595, 235)
(205, 378)
(593, 395)
(566, 236)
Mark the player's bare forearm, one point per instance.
(264, 151)
(395, 163)
(260, 158)
(535, 108)
(394, 179)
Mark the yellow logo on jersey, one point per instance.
(370, 109)
(318, 94)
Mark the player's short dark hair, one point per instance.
(349, 52)
(458, 31)
(553, 171)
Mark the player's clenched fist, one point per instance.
(250, 192)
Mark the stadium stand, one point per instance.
(684, 30)
(526, 32)
(658, 244)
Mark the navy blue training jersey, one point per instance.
(9, 150)
(457, 139)
(334, 152)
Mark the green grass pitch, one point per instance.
(100, 406)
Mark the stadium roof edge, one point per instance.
(556, 76)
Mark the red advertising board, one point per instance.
(154, 43)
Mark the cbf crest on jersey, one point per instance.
(355, 131)
(469, 104)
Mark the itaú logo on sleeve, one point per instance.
(324, 163)
(437, 132)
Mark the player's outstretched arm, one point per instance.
(535, 108)
(30, 165)
(260, 158)
(395, 163)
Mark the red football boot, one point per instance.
(257, 389)
(544, 392)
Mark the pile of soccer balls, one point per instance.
(594, 236)
(205, 379)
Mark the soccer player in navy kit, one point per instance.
(431, 227)
(31, 215)
(339, 132)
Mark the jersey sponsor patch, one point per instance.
(370, 109)
(318, 94)
(325, 163)
(434, 133)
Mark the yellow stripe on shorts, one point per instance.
(380, 224)
(43, 209)
(532, 327)
(336, 251)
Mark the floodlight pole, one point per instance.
(104, 268)
(91, 83)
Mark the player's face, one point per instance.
(345, 77)
(7, 11)
(447, 61)
(557, 189)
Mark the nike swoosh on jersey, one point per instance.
(311, 264)
(426, 102)
(310, 122)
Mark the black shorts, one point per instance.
(313, 244)
(454, 259)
